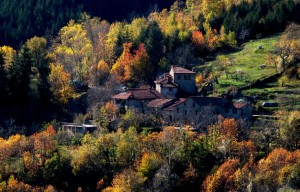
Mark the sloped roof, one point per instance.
(178, 102)
(240, 105)
(158, 103)
(178, 69)
(139, 94)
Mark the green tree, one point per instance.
(154, 43)
(128, 147)
(19, 77)
(39, 82)
(2, 79)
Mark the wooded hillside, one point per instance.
(24, 19)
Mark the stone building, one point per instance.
(174, 97)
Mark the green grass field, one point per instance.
(247, 62)
(287, 97)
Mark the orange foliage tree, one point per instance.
(132, 67)
(274, 170)
(223, 178)
(44, 142)
(122, 66)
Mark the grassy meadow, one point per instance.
(244, 67)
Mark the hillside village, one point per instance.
(176, 98)
(150, 96)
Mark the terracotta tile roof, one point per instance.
(139, 94)
(178, 69)
(159, 103)
(178, 102)
(239, 105)
(123, 95)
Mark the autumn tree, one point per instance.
(128, 147)
(141, 68)
(108, 112)
(102, 71)
(273, 171)
(8, 55)
(114, 42)
(223, 178)
(44, 142)
(60, 83)
(223, 134)
(73, 51)
(199, 41)
(133, 67)
(149, 163)
(288, 46)
(127, 180)
(289, 128)
(199, 80)
(223, 138)
(122, 66)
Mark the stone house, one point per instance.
(174, 99)
(178, 82)
(136, 98)
(199, 111)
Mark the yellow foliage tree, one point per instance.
(149, 164)
(74, 51)
(128, 180)
(102, 71)
(61, 83)
(8, 54)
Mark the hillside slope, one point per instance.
(25, 18)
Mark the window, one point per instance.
(184, 112)
(196, 112)
(187, 77)
(170, 117)
(193, 105)
(178, 77)
(177, 109)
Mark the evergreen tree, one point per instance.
(19, 78)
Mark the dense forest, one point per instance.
(24, 19)
(63, 63)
